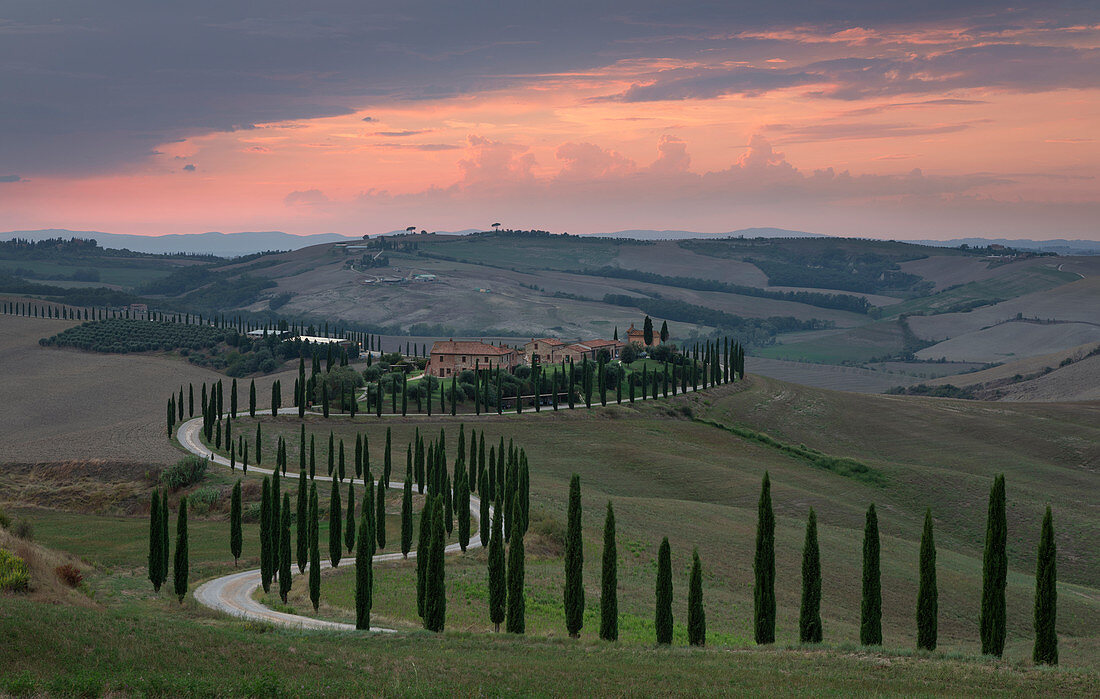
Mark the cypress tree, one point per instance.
(574, 562)
(252, 399)
(164, 537)
(301, 522)
(663, 619)
(335, 524)
(364, 575)
(764, 568)
(406, 515)
(312, 457)
(483, 502)
(609, 582)
(275, 529)
(154, 541)
(697, 618)
(180, 572)
(266, 567)
(435, 597)
(285, 579)
(927, 594)
(498, 594)
(387, 463)
(190, 400)
(448, 504)
(259, 454)
(331, 453)
(349, 530)
(515, 621)
(1045, 650)
(358, 455)
(235, 535)
(341, 469)
(809, 617)
(232, 399)
(995, 572)
(870, 622)
(422, 542)
(647, 331)
(463, 510)
(380, 514)
(314, 547)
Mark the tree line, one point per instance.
(501, 478)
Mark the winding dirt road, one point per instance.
(233, 594)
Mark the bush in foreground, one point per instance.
(14, 574)
(187, 471)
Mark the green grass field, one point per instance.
(667, 474)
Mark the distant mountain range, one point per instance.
(248, 242)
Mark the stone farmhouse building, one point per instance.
(553, 351)
(635, 336)
(449, 357)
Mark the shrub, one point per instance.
(23, 529)
(14, 574)
(251, 512)
(203, 499)
(5, 520)
(550, 529)
(69, 574)
(185, 472)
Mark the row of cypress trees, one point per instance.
(159, 547)
(994, 582)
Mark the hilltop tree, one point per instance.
(435, 590)
(235, 535)
(285, 579)
(1045, 650)
(517, 605)
(647, 331)
(764, 568)
(870, 623)
(349, 529)
(995, 572)
(314, 548)
(609, 581)
(574, 562)
(498, 593)
(663, 620)
(697, 618)
(180, 572)
(334, 525)
(364, 574)
(155, 542)
(809, 618)
(927, 594)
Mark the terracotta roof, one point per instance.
(473, 347)
(548, 340)
(601, 343)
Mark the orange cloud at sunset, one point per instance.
(912, 130)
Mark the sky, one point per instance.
(854, 117)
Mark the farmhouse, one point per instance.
(549, 350)
(635, 336)
(542, 350)
(449, 357)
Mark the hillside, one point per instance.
(670, 467)
(897, 311)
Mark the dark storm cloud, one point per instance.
(88, 87)
(10, 178)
